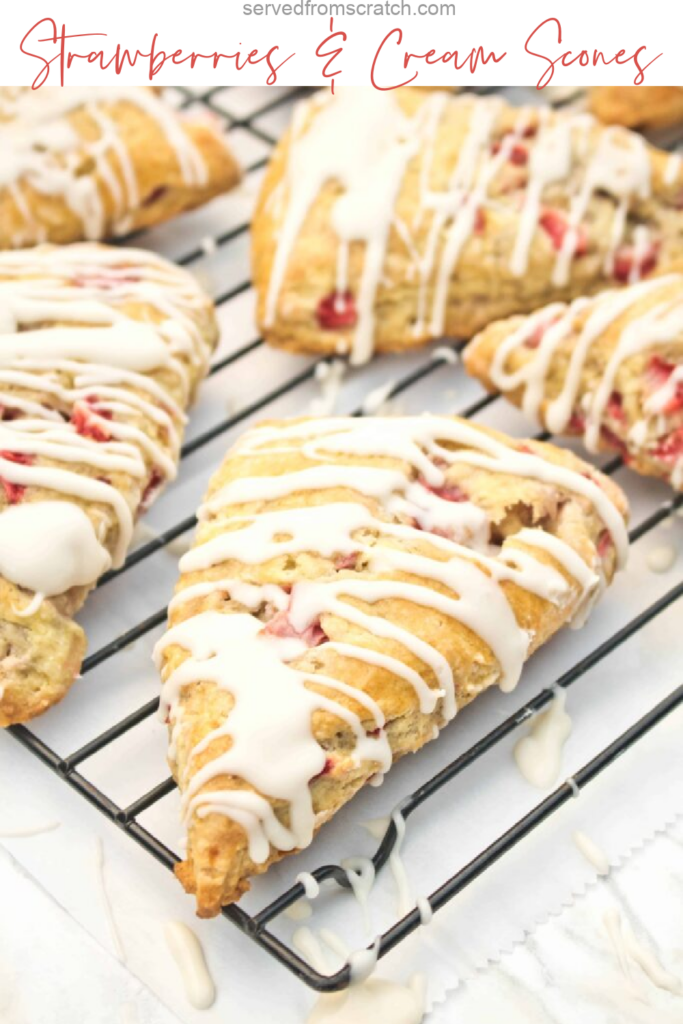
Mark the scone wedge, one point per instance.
(82, 163)
(633, 106)
(390, 219)
(101, 350)
(352, 584)
(608, 368)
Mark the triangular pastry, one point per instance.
(101, 350)
(608, 368)
(387, 219)
(78, 163)
(637, 106)
(352, 583)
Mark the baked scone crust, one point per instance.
(86, 442)
(612, 371)
(636, 106)
(250, 583)
(449, 213)
(99, 163)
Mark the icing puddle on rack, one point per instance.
(186, 950)
(539, 754)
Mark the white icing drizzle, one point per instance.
(257, 665)
(595, 856)
(360, 872)
(425, 910)
(405, 899)
(107, 357)
(630, 951)
(186, 950)
(362, 143)
(43, 148)
(106, 903)
(63, 552)
(377, 827)
(299, 911)
(661, 558)
(310, 884)
(539, 754)
(377, 999)
(659, 324)
(330, 376)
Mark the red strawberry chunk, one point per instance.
(14, 492)
(577, 423)
(346, 561)
(479, 221)
(658, 373)
(556, 224)
(615, 407)
(670, 449)
(605, 544)
(518, 155)
(281, 626)
(156, 479)
(337, 311)
(629, 264)
(449, 492)
(103, 281)
(329, 765)
(88, 425)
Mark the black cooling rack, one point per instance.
(229, 106)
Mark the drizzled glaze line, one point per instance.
(259, 666)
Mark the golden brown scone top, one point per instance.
(636, 106)
(83, 163)
(101, 351)
(388, 219)
(352, 583)
(608, 368)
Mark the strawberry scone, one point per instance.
(607, 368)
(636, 106)
(352, 584)
(390, 219)
(83, 163)
(101, 351)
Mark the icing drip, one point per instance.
(539, 755)
(375, 1000)
(596, 857)
(63, 552)
(255, 661)
(188, 954)
(75, 395)
(659, 324)
(43, 148)
(631, 952)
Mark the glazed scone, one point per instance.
(609, 368)
(352, 583)
(637, 106)
(79, 163)
(389, 219)
(101, 350)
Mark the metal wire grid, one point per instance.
(238, 109)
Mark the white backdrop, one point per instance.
(291, 39)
